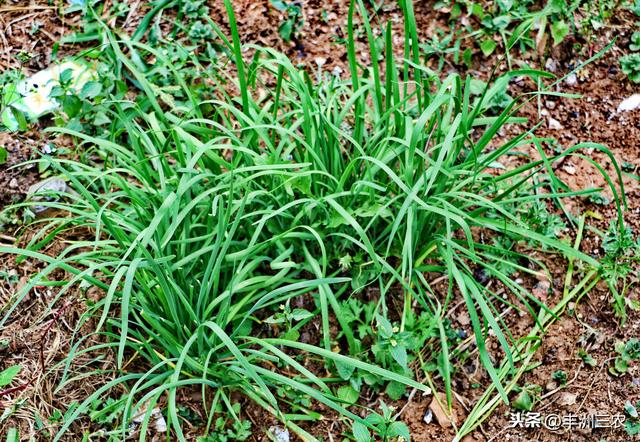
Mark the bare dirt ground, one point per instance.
(40, 338)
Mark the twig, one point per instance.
(409, 399)
(7, 237)
(19, 19)
(595, 378)
(28, 8)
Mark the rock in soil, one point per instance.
(440, 413)
(567, 399)
(280, 434)
(551, 65)
(554, 124)
(541, 289)
(571, 80)
(570, 169)
(630, 103)
(428, 417)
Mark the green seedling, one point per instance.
(383, 425)
(621, 254)
(527, 397)
(559, 376)
(587, 358)
(8, 375)
(293, 19)
(229, 429)
(627, 353)
(632, 423)
(630, 65)
(288, 317)
(635, 41)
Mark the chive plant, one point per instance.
(203, 219)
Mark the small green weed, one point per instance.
(527, 397)
(384, 426)
(627, 353)
(229, 429)
(621, 254)
(8, 375)
(587, 358)
(632, 423)
(559, 376)
(293, 19)
(630, 65)
(635, 41)
(522, 24)
(288, 317)
(107, 412)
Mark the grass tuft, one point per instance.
(204, 219)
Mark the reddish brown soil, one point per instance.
(590, 324)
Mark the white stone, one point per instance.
(554, 124)
(279, 434)
(571, 80)
(629, 103)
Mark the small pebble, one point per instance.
(279, 434)
(541, 289)
(571, 80)
(567, 399)
(551, 65)
(554, 124)
(428, 417)
(440, 414)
